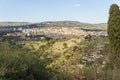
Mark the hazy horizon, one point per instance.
(64, 10)
(50, 21)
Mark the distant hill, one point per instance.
(14, 23)
(102, 26)
(56, 24)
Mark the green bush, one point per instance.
(18, 64)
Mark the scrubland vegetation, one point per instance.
(60, 59)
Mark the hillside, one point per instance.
(76, 57)
(76, 24)
(56, 24)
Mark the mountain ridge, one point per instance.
(57, 24)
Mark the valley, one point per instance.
(59, 29)
(63, 50)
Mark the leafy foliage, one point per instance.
(18, 64)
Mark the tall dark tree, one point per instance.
(114, 35)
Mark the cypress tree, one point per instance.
(114, 36)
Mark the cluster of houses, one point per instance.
(53, 33)
(39, 33)
(62, 32)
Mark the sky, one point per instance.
(89, 11)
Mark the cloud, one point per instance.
(76, 5)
